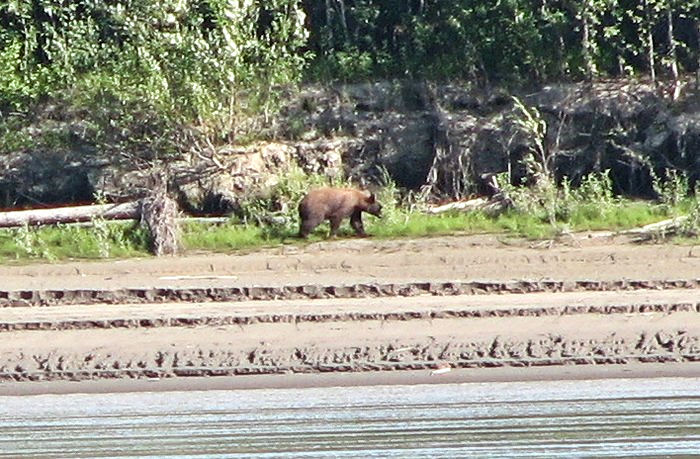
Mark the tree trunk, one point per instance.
(697, 50)
(586, 40)
(127, 210)
(329, 25)
(650, 42)
(672, 51)
(343, 20)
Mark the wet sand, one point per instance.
(382, 378)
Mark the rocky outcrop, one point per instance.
(451, 137)
(448, 138)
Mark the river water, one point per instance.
(594, 418)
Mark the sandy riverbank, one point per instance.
(628, 309)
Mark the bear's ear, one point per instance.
(370, 198)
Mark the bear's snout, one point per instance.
(375, 209)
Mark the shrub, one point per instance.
(149, 77)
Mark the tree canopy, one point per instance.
(512, 41)
(138, 71)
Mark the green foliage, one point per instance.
(148, 77)
(582, 217)
(672, 188)
(127, 239)
(212, 61)
(156, 79)
(691, 226)
(530, 123)
(514, 41)
(217, 238)
(596, 189)
(592, 205)
(60, 242)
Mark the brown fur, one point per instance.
(335, 204)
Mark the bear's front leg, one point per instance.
(356, 223)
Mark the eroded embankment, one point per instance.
(428, 330)
(19, 298)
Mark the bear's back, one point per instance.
(339, 202)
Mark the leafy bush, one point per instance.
(517, 41)
(148, 76)
(672, 188)
(593, 198)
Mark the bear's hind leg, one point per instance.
(307, 226)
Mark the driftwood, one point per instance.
(664, 226)
(471, 204)
(667, 227)
(492, 206)
(122, 211)
(180, 220)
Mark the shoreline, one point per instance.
(357, 379)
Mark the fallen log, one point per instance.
(37, 217)
(671, 224)
(180, 220)
(492, 206)
(472, 204)
(665, 227)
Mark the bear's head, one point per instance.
(372, 206)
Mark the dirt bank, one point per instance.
(353, 306)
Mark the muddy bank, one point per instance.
(418, 333)
(396, 308)
(463, 259)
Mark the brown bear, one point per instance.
(334, 204)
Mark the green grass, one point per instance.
(586, 217)
(218, 238)
(628, 214)
(419, 224)
(61, 242)
(121, 240)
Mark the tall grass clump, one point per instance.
(590, 205)
(62, 241)
(671, 189)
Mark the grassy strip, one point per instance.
(62, 242)
(625, 215)
(123, 240)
